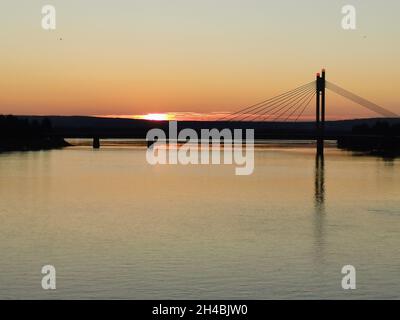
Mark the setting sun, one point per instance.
(157, 116)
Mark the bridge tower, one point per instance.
(96, 143)
(320, 111)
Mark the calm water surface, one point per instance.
(116, 227)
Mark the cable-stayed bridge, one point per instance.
(274, 118)
(291, 105)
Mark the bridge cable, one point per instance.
(268, 104)
(288, 107)
(255, 106)
(286, 104)
(305, 107)
(276, 104)
(361, 101)
(304, 102)
(299, 105)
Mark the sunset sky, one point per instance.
(133, 57)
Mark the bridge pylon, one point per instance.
(96, 143)
(320, 111)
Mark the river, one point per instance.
(117, 227)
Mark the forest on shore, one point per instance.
(18, 134)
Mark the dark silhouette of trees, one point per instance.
(381, 138)
(380, 128)
(12, 127)
(23, 134)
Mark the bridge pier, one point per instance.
(96, 143)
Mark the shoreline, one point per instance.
(34, 144)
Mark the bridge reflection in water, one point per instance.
(319, 205)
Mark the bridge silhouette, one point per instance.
(273, 118)
(291, 105)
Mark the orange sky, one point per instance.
(192, 57)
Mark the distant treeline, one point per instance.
(24, 134)
(381, 138)
(380, 128)
(14, 127)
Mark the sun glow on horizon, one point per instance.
(156, 117)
